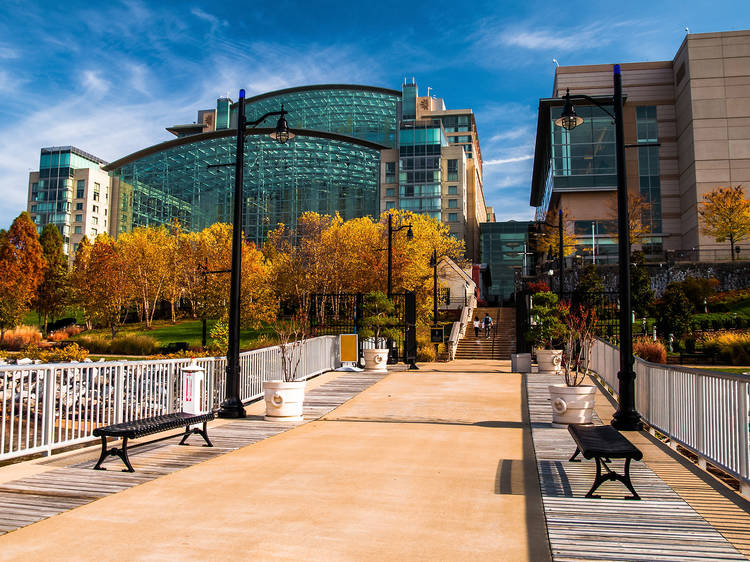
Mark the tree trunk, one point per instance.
(731, 246)
(174, 318)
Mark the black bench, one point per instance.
(147, 426)
(603, 443)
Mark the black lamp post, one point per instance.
(434, 263)
(626, 417)
(391, 230)
(560, 249)
(232, 406)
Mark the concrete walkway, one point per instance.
(434, 464)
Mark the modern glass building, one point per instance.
(320, 172)
(506, 251)
(71, 191)
(357, 151)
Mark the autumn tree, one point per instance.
(52, 294)
(22, 267)
(638, 208)
(725, 215)
(146, 258)
(101, 282)
(549, 239)
(79, 277)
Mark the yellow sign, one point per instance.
(348, 347)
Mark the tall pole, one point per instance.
(626, 417)
(434, 288)
(560, 249)
(390, 255)
(232, 406)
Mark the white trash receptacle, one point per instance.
(193, 387)
(520, 362)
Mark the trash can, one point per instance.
(520, 362)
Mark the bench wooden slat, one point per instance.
(603, 441)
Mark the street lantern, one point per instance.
(232, 406)
(626, 417)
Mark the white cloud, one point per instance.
(94, 83)
(8, 53)
(501, 161)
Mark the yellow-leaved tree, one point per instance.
(725, 215)
(549, 239)
(638, 229)
(146, 257)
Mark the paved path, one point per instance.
(430, 465)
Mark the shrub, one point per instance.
(64, 333)
(130, 344)
(219, 338)
(133, 344)
(649, 350)
(729, 347)
(21, 337)
(697, 289)
(70, 352)
(538, 287)
(426, 352)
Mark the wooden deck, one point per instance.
(662, 526)
(74, 483)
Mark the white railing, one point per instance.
(47, 406)
(704, 411)
(459, 328)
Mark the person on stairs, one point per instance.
(487, 325)
(476, 326)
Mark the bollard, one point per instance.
(193, 387)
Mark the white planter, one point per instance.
(376, 360)
(571, 404)
(549, 360)
(284, 400)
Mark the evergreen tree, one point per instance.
(590, 288)
(640, 285)
(52, 294)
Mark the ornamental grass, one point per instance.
(650, 350)
(729, 347)
(21, 337)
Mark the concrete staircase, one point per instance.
(502, 340)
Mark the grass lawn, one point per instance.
(164, 332)
(733, 370)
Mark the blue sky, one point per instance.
(108, 77)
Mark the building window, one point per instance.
(79, 218)
(96, 191)
(453, 203)
(390, 205)
(452, 170)
(390, 172)
(94, 232)
(80, 188)
(452, 217)
(75, 248)
(95, 208)
(79, 206)
(452, 190)
(94, 220)
(390, 191)
(105, 211)
(77, 230)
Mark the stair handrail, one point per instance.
(458, 329)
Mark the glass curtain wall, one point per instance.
(505, 250)
(363, 114)
(648, 174)
(419, 167)
(584, 158)
(280, 183)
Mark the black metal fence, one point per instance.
(340, 313)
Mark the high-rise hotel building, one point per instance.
(358, 151)
(696, 107)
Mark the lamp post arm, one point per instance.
(592, 100)
(253, 124)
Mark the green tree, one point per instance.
(53, 292)
(590, 288)
(21, 271)
(547, 328)
(640, 285)
(673, 312)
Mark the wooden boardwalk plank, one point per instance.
(659, 527)
(28, 500)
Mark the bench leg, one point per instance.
(573, 458)
(202, 432)
(611, 475)
(114, 452)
